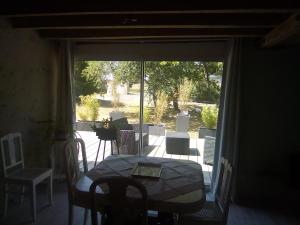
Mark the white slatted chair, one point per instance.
(213, 213)
(15, 173)
(72, 151)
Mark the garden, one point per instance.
(170, 88)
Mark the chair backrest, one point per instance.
(136, 128)
(224, 187)
(72, 162)
(120, 199)
(116, 115)
(12, 152)
(182, 123)
(121, 124)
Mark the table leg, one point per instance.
(97, 153)
(111, 147)
(104, 149)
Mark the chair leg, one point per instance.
(5, 200)
(117, 144)
(33, 202)
(22, 194)
(85, 217)
(50, 189)
(71, 209)
(104, 149)
(111, 147)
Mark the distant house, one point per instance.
(122, 89)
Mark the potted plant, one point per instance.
(209, 116)
(106, 131)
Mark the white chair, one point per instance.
(73, 170)
(116, 115)
(15, 173)
(182, 122)
(209, 150)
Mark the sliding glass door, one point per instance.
(163, 108)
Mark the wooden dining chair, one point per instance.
(74, 172)
(16, 174)
(213, 213)
(110, 196)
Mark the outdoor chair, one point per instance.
(182, 122)
(213, 213)
(15, 173)
(209, 150)
(110, 196)
(116, 115)
(130, 135)
(73, 173)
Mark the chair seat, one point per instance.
(15, 173)
(210, 212)
(34, 175)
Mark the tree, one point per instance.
(89, 77)
(168, 76)
(205, 88)
(126, 71)
(160, 76)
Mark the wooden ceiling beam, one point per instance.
(283, 32)
(149, 33)
(149, 12)
(195, 20)
(34, 7)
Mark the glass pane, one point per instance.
(108, 94)
(181, 108)
(181, 102)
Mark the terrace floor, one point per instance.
(156, 148)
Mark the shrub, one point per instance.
(201, 93)
(147, 114)
(161, 107)
(89, 108)
(209, 116)
(184, 94)
(82, 113)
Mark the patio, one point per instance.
(156, 148)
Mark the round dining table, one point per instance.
(179, 188)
